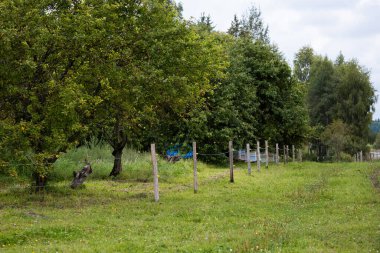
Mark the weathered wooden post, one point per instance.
(195, 167)
(284, 154)
(248, 158)
(155, 172)
(266, 155)
(277, 154)
(231, 156)
(258, 158)
(300, 155)
(293, 154)
(287, 153)
(361, 156)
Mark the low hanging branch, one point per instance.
(80, 176)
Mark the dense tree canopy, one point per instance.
(135, 72)
(112, 69)
(41, 104)
(337, 92)
(258, 100)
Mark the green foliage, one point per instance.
(321, 94)
(356, 98)
(337, 91)
(302, 64)
(120, 71)
(337, 136)
(258, 100)
(137, 165)
(377, 141)
(344, 157)
(40, 103)
(250, 26)
(153, 76)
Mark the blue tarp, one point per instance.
(175, 151)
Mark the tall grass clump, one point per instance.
(137, 166)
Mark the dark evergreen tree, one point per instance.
(234, 29)
(250, 26)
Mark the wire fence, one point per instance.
(252, 154)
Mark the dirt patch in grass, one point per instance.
(375, 179)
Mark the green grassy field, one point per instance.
(299, 207)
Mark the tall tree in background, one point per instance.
(258, 100)
(250, 26)
(322, 96)
(302, 64)
(235, 27)
(336, 136)
(355, 100)
(337, 91)
(205, 23)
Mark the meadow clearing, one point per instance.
(297, 207)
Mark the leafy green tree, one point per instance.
(41, 103)
(338, 91)
(302, 64)
(321, 94)
(336, 136)
(355, 99)
(258, 100)
(152, 73)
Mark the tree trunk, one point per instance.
(40, 181)
(117, 168)
(80, 176)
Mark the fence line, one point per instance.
(245, 155)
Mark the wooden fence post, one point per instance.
(231, 156)
(287, 153)
(258, 158)
(248, 158)
(293, 153)
(300, 155)
(266, 155)
(195, 167)
(155, 172)
(361, 156)
(277, 154)
(284, 154)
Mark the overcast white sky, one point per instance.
(328, 26)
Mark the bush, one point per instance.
(310, 157)
(344, 157)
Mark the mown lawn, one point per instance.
(299, 207)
